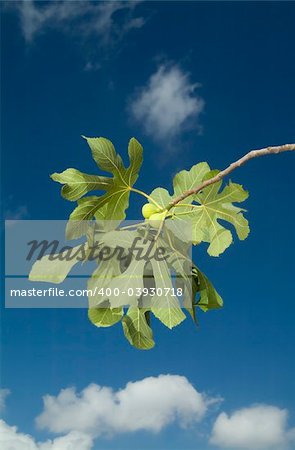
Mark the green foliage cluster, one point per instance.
(209, 212)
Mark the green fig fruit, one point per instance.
(149, 209)
(157, 218)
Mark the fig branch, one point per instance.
(250, 155)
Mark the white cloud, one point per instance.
(255, 428)
(12, 439)
(168, 104)
(3, 395)
(149, 404)
(81, 17)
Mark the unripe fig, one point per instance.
(157, 218)
(148, 209)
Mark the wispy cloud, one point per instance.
(255, 428)
(18, 213)
(107, 20)
(149, 404)
(3, 395)
(168, 104)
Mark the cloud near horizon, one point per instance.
(12, 439)
(258, 427)
(168, 104)
(150, 404)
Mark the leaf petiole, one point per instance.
(138, 191)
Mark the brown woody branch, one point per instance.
(252, 154)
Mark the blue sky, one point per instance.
(223, 73)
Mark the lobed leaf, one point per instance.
(76, 184)
(104, 154)
(116, 198)
(208, 207)
(186, 180)
(215, 206)
(136, 329)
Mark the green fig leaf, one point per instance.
(55, 268)
(165, 307)
(105, 317)
(210, 206)
(136, 329)
(76, 184)
(116, 198)
(209, 297)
